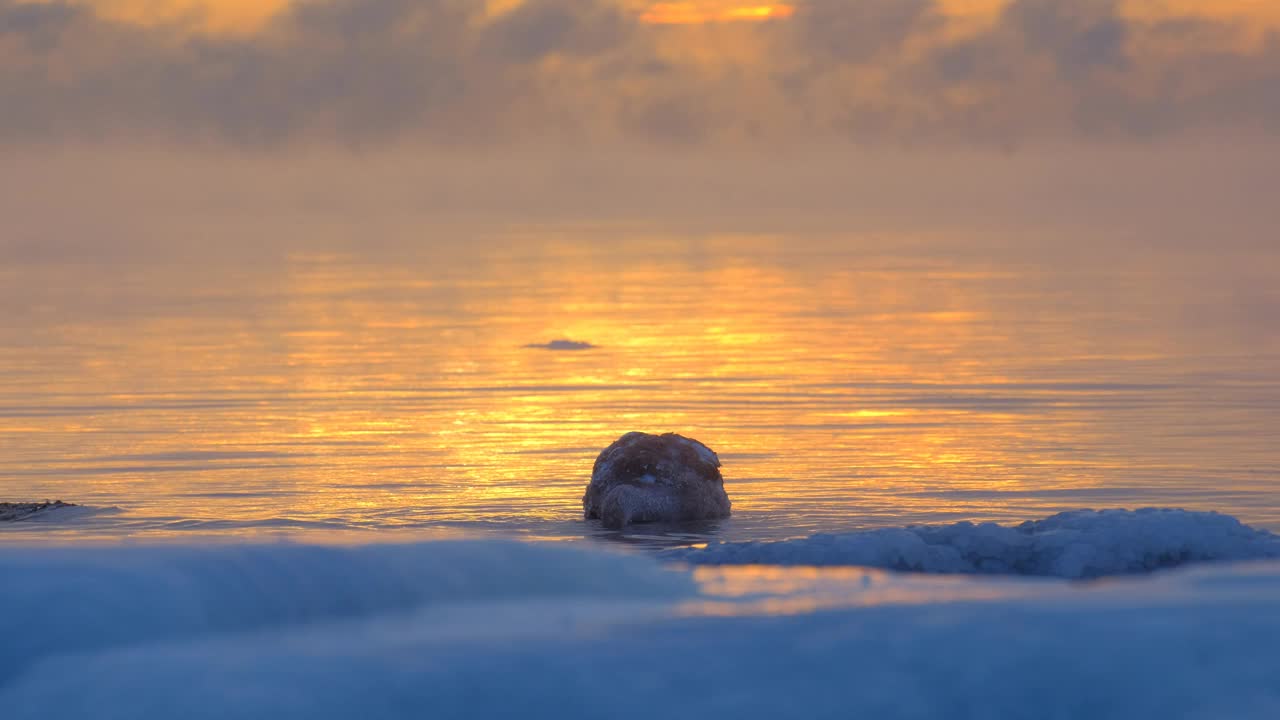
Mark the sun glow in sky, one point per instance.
(210, 15)
(698, 13)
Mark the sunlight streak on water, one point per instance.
(846, 382)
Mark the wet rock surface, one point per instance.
(655, 478)
(20, 511)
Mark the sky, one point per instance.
(543, 100)
(685, 73)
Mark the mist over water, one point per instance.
(853, 380)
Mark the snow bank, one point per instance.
(61, 600)
(1192, 644)
(1078, 544)
(466, 629)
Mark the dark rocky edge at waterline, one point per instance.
(10, 512)
(655, 478)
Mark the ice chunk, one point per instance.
(1077, 544)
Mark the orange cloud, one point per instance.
(219, 16)
(1262, 12)
(241, 16)
(498, 71)
(698, 13)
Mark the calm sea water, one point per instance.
(847, 381)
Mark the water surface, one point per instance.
(847, 381)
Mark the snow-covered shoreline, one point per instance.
(480, 628)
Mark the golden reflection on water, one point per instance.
(749, 590)
(846, 383)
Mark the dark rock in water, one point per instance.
(655, 478)
(562, 345)
(21, 511)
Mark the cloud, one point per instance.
(1079, 36)
(447, 72)
(842, 31)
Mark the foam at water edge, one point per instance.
(1077, 544)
